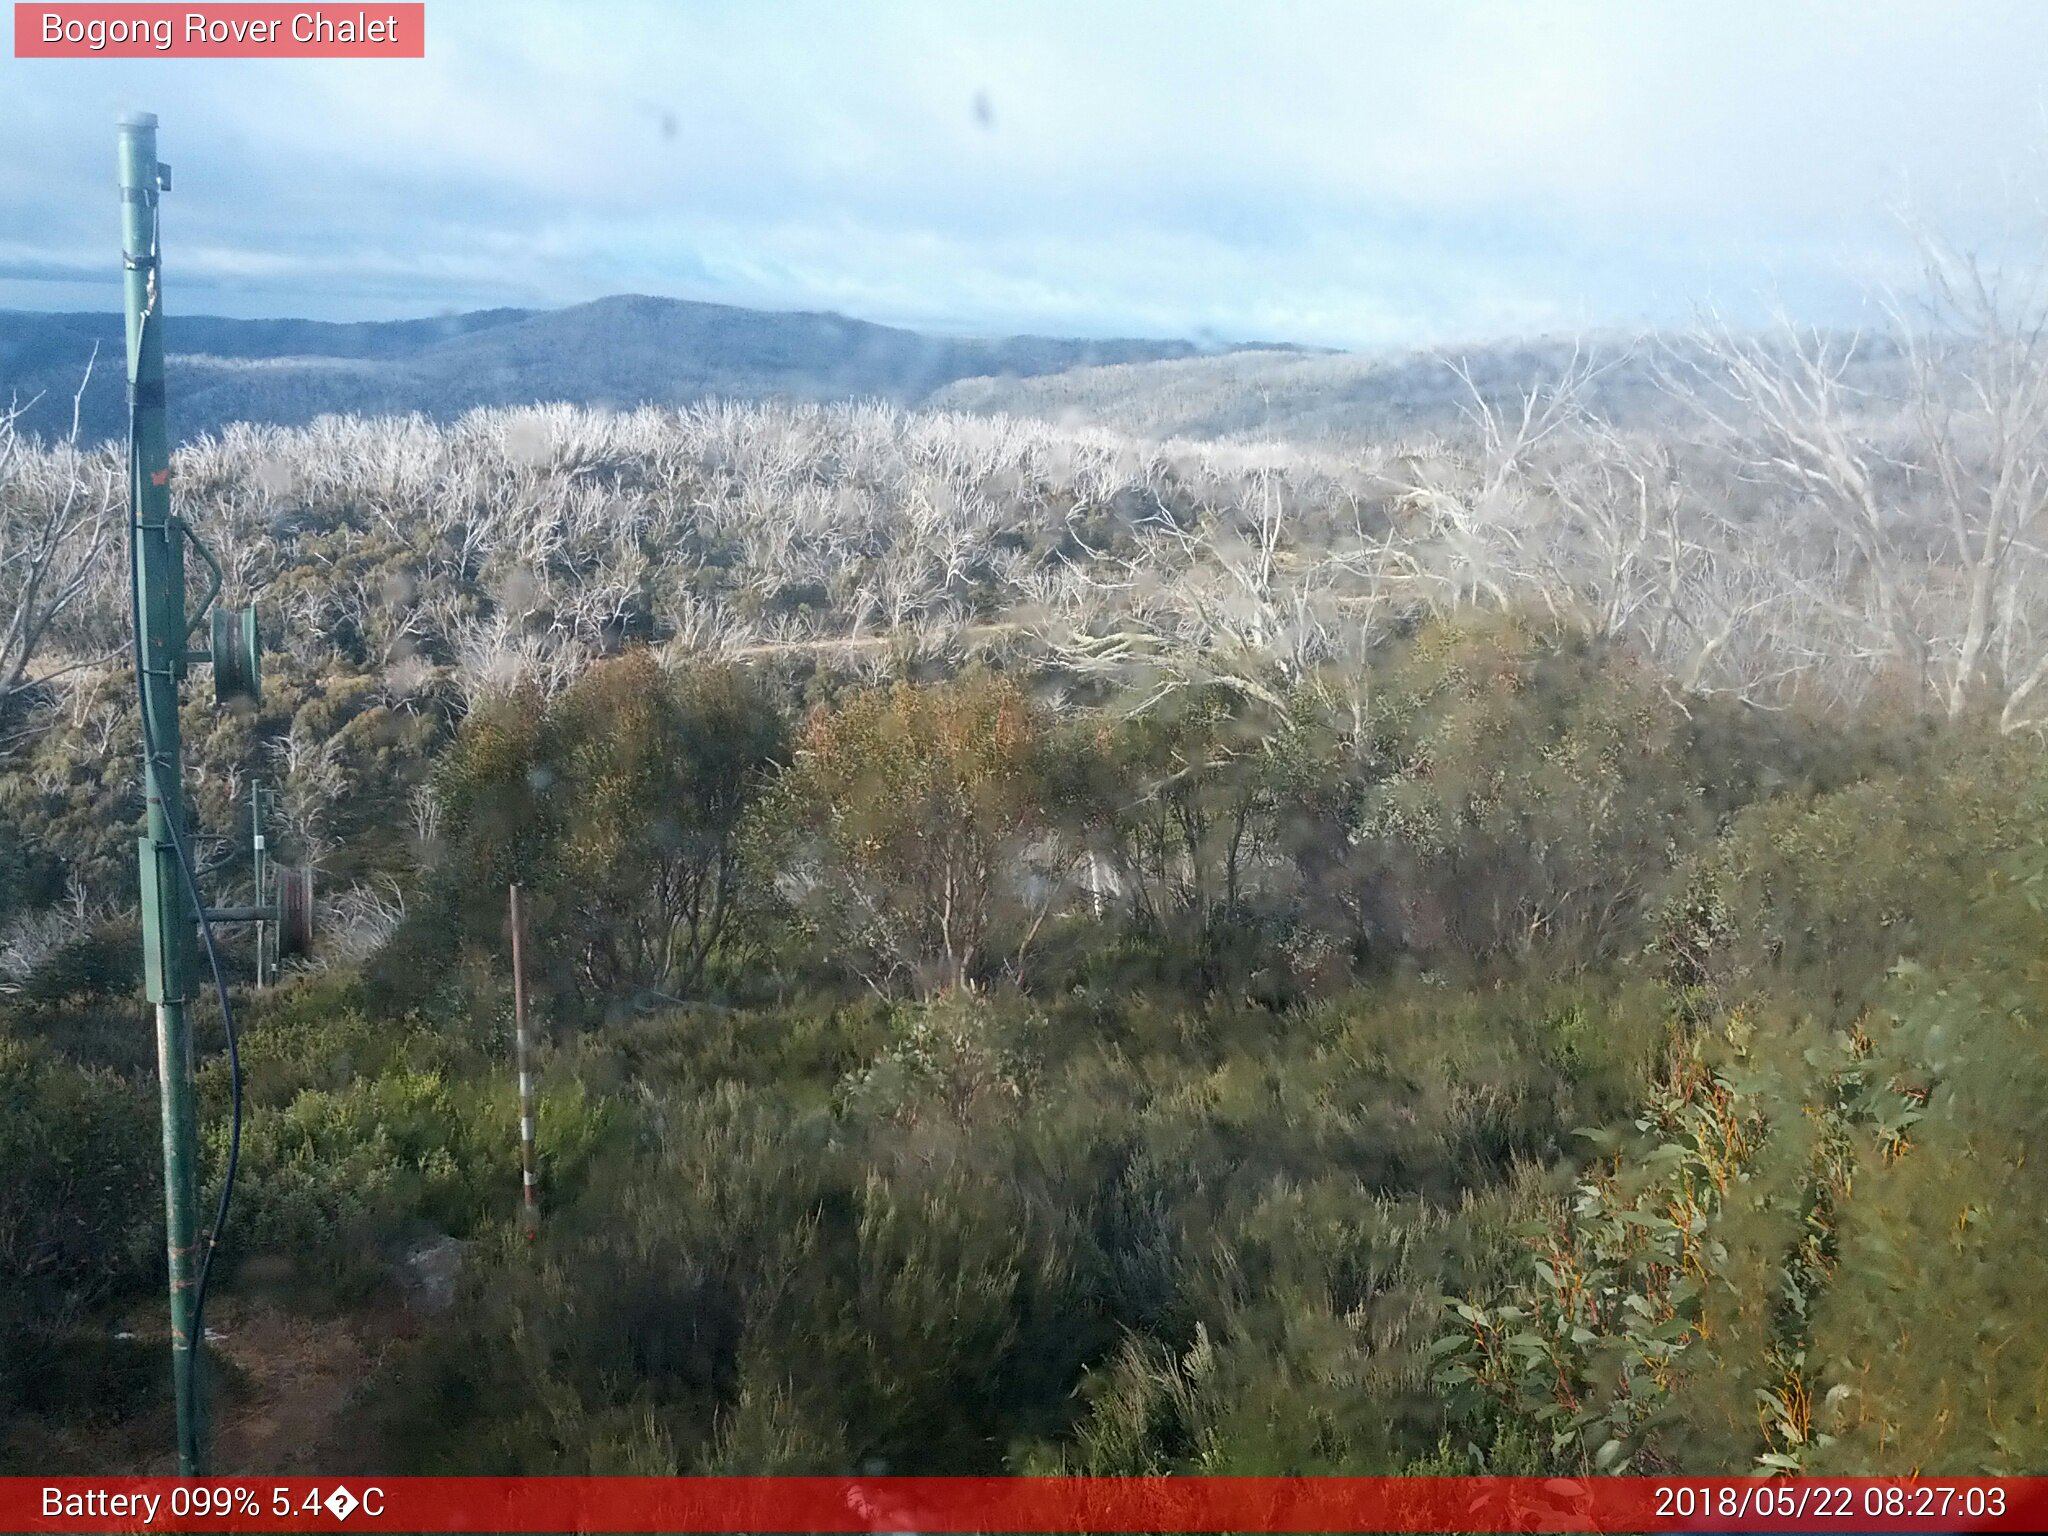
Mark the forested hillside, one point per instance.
(1514, 947)
(623, 351)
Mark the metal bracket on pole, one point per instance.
(283, 908)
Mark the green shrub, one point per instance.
(1512, 790)
(1828, 894)
(1175, 807)
(909, 834)
(81, 1224)
(1815, 1251)
(619, 806)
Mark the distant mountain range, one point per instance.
(1316, 396)
(1350, 397)
(622, 351)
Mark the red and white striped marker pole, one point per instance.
(523, 1046)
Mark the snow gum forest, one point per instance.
(1197, 915)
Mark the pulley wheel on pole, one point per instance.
(294, 912)
(237, 656)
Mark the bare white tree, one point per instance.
(58, 510)
(1977, 348)
(1908, 472)
(1848, 511)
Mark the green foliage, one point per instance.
(909, 833)
(1829, 893)
(328, 1173)
(948, 1058)
(619, 806)
(660, 773)
(81, 1224)
(1471, 1062)
(1922, 1351)
(494, 785)
(27, 870)
(1815, 1254)
(941, 1259)
(1177, 804)
(1510, 788)
(361, 1133)
(1583, 1350)
(81, 1187)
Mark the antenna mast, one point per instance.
(171, 901)
(160, 642)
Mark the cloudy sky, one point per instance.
(1352, 174)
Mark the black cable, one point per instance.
(171, 807)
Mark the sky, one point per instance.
(1358, 174)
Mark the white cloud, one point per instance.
(1347, 172)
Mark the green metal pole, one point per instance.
(167, 917)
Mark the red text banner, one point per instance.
(1048, 1504)
(220, 31)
